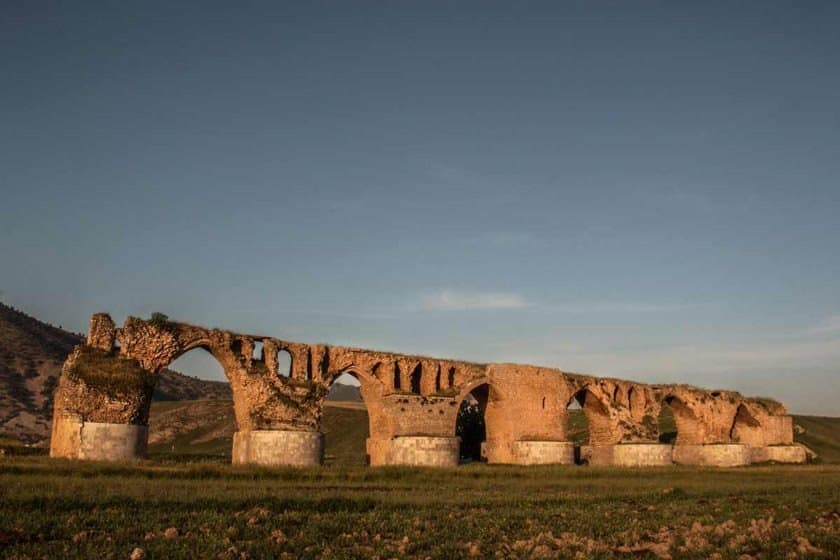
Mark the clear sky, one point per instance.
(633, 189)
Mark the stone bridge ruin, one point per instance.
(104, 395)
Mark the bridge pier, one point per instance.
(416, 451)
(73, 438)
(713, 455)
(628, 455)
(278, 448)
(778, 454)
(543, 453)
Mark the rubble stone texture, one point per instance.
(412, 403)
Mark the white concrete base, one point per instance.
(416, 451)
(778, 454)
(628, 455)
(713, 455)
(278, 448)
(97, 441)
(544, 452)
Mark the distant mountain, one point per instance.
(31, 355)
(342, 392)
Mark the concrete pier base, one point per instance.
(278, 448)
(73, 438)
(544, 452)
(628, 455)
(417, 451)
(778, 454)
(713, 455)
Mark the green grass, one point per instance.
(62, 509)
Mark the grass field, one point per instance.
(187, 502)
(61, 509)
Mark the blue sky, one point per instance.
(647, 191)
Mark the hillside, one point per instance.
(820, 434)
(31, 355)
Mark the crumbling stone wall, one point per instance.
(111, 378)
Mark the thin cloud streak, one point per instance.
(450, 300)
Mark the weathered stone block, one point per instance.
(714, 455)
(628, 455)
(424, 451)
(778, 454)
(544, 452)
(278, 448)
(98, 441)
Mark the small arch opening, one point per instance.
(415, 379)
(284, 363)
(259, 351)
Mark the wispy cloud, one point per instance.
(450, 300)
(830, 325)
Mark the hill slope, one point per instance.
(31, 355)
(820, 434)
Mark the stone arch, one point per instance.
(214, 414)
(487, 399)
(746, 428)
(597, 411)
(371, 389)
(335, 416)
(689, 430)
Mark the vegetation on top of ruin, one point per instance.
(110, 372)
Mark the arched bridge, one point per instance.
(104, 394)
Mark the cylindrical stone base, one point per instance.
(713, 455)
(778, 454)
(544, 452)
(278, 448)
(97, 441)
(628, 454)
(423, 451)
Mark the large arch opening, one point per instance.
(191, 415)
(577, 424)
(345, 422)
(677, 423)
(588, 419)
(746, 428)
(471, 424)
